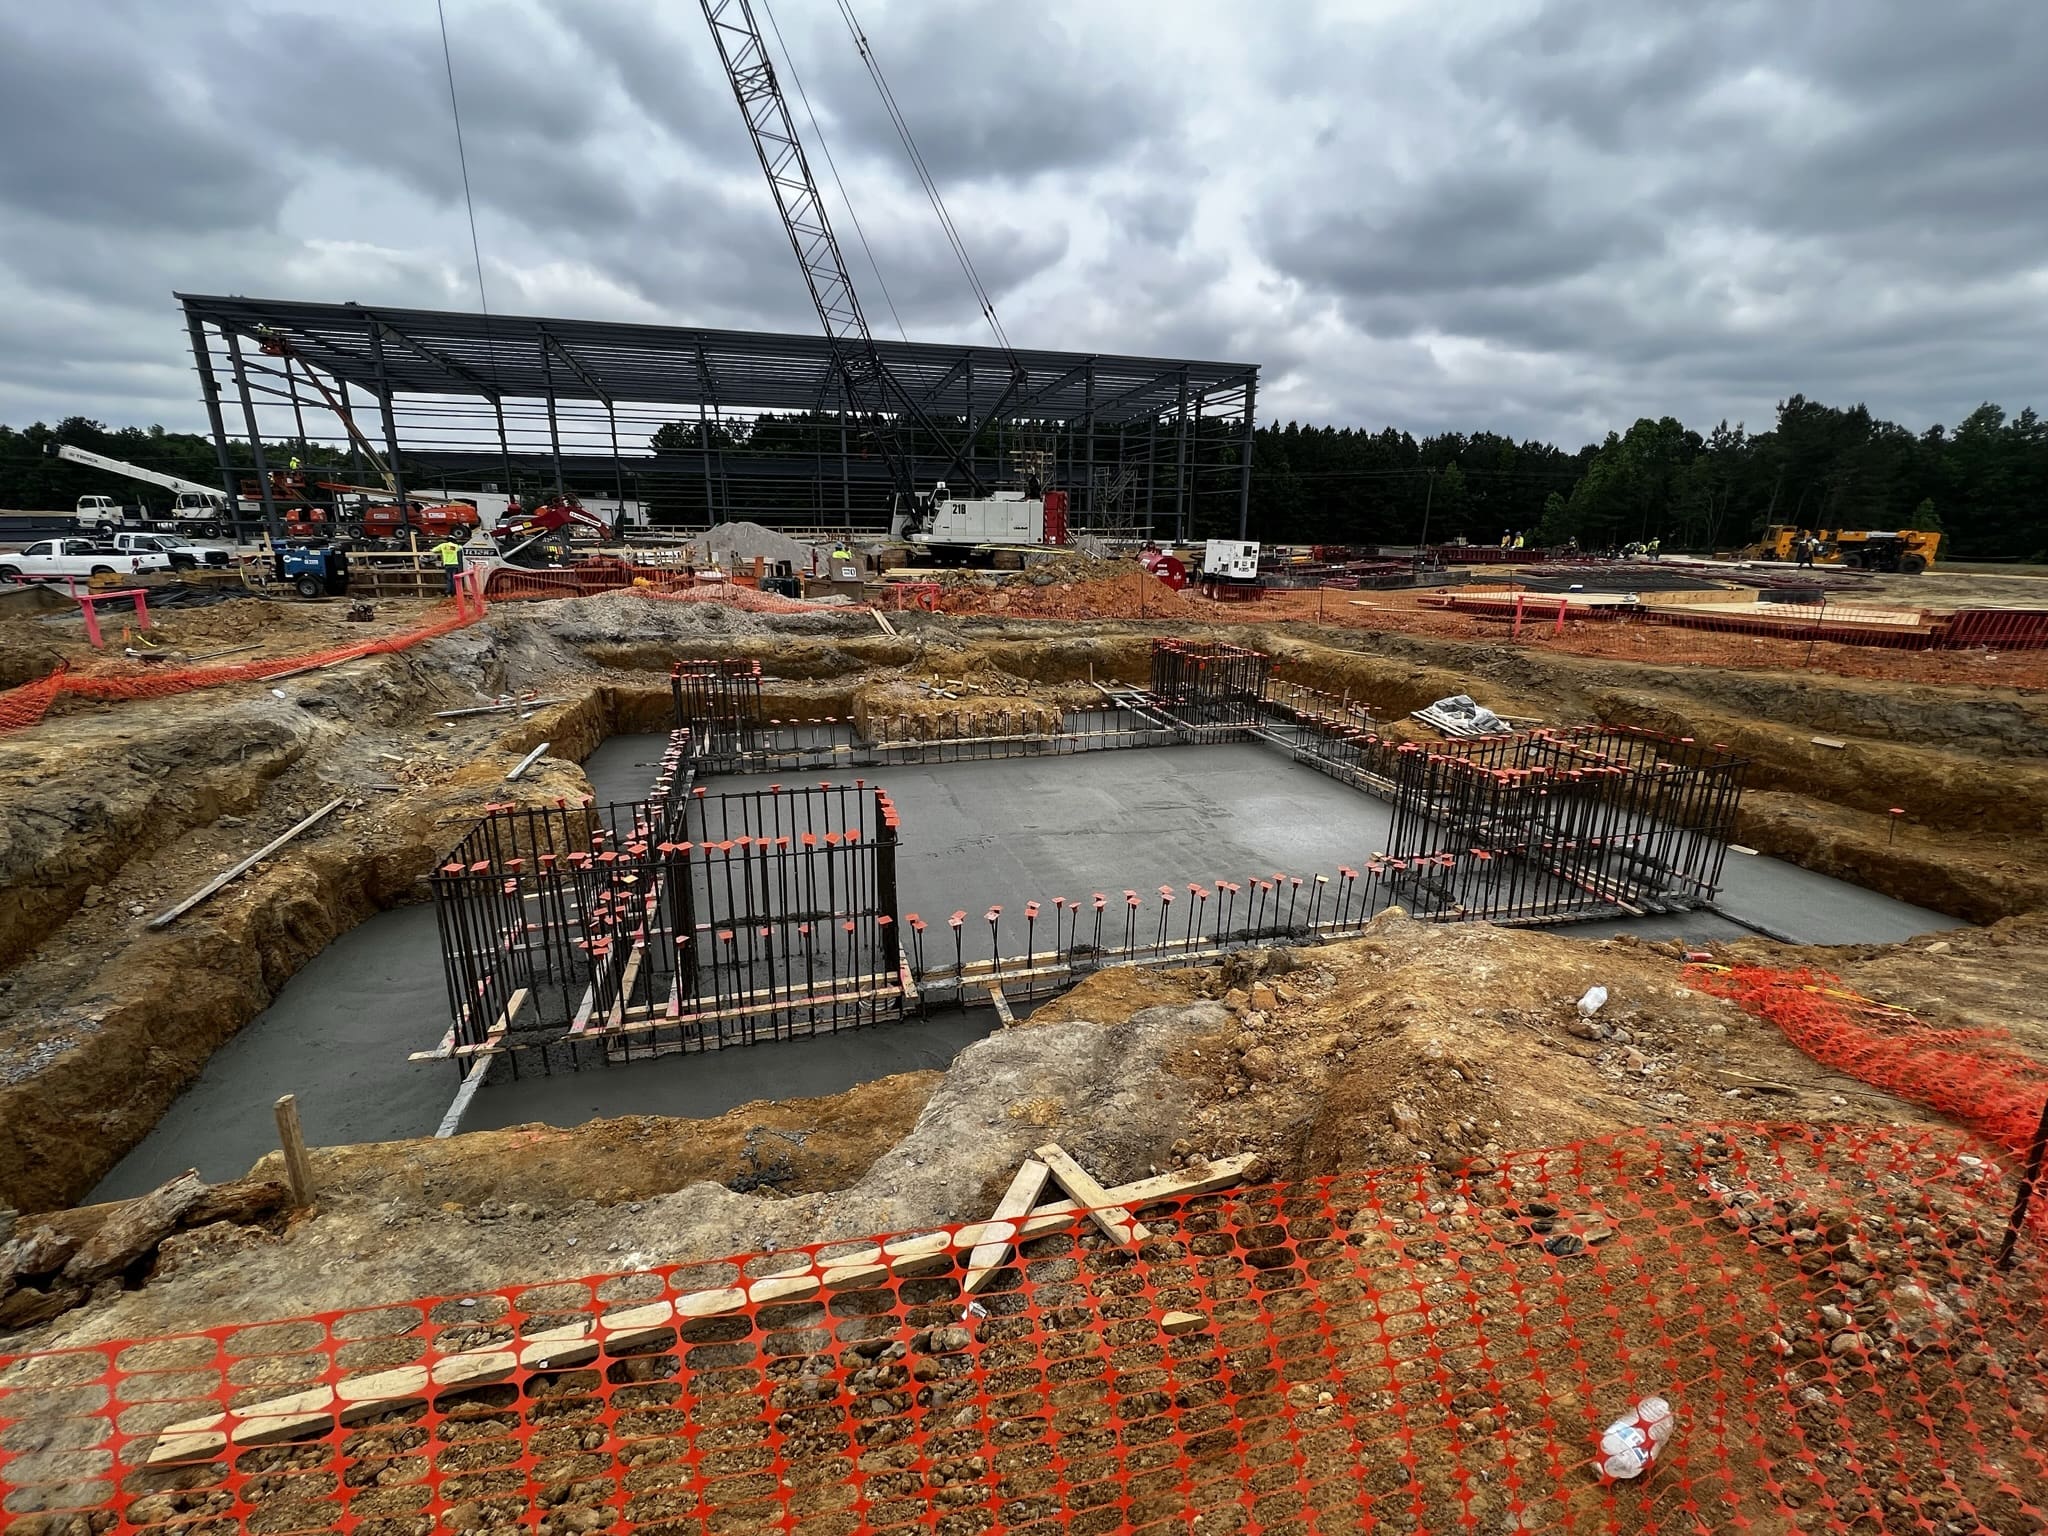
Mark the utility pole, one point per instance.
(1428, 497)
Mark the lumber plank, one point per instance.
(228, 876)
(993, 1238)
(1117, 1224)
(995, 995)
(295, 1415)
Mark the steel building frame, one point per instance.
(468, 401)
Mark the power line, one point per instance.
(789, 60)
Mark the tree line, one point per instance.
(1984, 483)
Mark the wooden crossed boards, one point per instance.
(1018, 1217)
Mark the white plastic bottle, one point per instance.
(1594, 1000)
(1632, 1442)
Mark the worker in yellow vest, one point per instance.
(450, 555)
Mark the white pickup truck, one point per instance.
(184, 554)
(63, 559)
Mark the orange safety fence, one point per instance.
(591, 578)
(1971, 1076)
(1418, 1349)
(26, 705)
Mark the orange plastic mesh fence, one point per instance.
(1414, 1349)
(26, 705)
(593, 578)
(1967, 1075)
(752, 599)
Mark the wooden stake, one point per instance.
(995, 995)
(226, 877)
(298, 1167)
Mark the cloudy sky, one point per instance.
(1543, 217)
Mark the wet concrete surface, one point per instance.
(1029, 829)
(622, 767)
(337, 1036)
(703, 1084)
(973, 834)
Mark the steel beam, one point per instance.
(551, 342)
(421, 350)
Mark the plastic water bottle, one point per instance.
(1594, 1000)
(1631, 1443)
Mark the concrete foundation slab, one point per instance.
(1004, 832)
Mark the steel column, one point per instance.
(255, 442)
(547, 373)
(209, 390)
(1151, 469)
(611, 413)
(390, 421)
(504, 448)
(1088, 421)
(1244, 478)
(1180, 465)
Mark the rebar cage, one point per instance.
(719, 702)
(693, 919)
(687, 920)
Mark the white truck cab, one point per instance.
(100, 512)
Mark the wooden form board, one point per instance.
(1000, 1231)
(356, 1398)
(1117, 1223)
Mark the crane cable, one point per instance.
(789, 62)
(925, 179)
(462, 159)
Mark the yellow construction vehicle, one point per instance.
(1906, 550)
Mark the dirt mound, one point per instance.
(746, 541)
(1129, 593)
(1111, 996)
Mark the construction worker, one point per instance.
(1506, 537)
(450, 555)
(1518, 541)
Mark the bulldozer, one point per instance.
(1907, 551)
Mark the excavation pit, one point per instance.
(980, 829)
